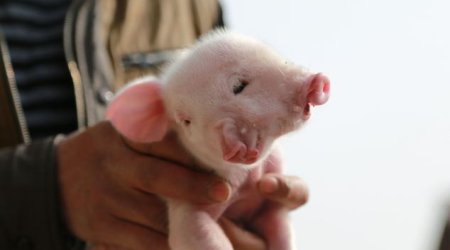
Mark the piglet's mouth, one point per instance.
(239, 145)
(241, 154)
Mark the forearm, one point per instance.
(30, 211)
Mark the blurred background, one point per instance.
(377, 155)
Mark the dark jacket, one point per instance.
(121, 40)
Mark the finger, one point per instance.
(105, 247)
(157, 175)
(240, 238)
(289, 191)
(167, 179)
(123, 234)
(140, 208)
(168, 149)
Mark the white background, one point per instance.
(377, 155)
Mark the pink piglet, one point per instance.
(228, 99)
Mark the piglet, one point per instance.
(227, 99)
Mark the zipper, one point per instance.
(72, 63)
(142, 60)
(11, 81)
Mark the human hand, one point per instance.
(282, 192)
(108, 188)
(289, 192)
(286, 192)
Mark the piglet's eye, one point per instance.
(238, 88)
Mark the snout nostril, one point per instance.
(326, 86)
(319, 89)
(322, 80)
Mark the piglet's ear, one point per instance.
(138, 113)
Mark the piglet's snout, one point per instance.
(314, 90)
(318, 89)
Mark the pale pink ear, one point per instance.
(138, 113)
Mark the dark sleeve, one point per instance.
(30, 211)
(445, 241)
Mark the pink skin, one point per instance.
(228, 100)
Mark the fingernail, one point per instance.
(269, 185)
(220, 191)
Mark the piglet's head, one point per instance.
(228, 99)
